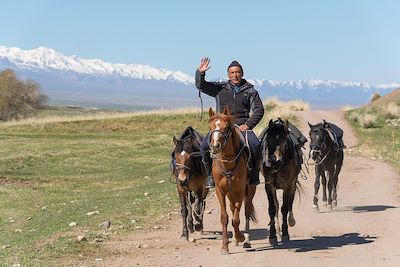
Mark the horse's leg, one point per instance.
(330, 187)
(272, 211)
(189, 203)
(335, 182)
(291, 220)
(249, 212)
(285, 210)
(316, 187)
(224, 220)
(184, 213)
(236, 204)
(323, 180)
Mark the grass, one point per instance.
(381, 140)
(52, 174)
(66, 162)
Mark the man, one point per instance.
(241, 98)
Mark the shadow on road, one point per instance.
(322, 243)
(371, 208)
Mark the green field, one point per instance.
(67, 162)
(52, 174)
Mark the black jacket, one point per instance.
(240, 104)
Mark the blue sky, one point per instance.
(346, 40)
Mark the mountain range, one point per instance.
(70, 80)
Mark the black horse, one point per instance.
(188, 169)
(328, 157)
(278, 149)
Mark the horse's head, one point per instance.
(183, 153)
(220, 130)
(318, 142)
(277, 141)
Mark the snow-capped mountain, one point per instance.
(93, 82)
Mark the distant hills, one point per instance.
(71, 80)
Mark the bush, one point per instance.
(18, 98)
(368, 120)
(375, 96)
(391, 111)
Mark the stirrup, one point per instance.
(210, 182)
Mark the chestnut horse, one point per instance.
(190, 175)
(279, 151)
(231, 175)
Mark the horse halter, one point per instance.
(214, 150)
(317, 143)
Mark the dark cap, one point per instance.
(235, 64)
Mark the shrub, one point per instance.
(375, 96)
(391, 111)
(368, 120)
(18, 98)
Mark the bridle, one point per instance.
(225, 136)
(315, 147)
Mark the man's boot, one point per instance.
(255, 173)
(210, 179)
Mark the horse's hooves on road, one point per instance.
(334, 203)
(224, 251)
(246, 245)
(329, 208)
(315, 208)
(325, 203)
(285, 238)
(183, 237)
(273, 241)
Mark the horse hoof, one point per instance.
(184, 237)
(198, 227)
(225, 251)
(325, 203)
(246, 245)
(235, 241)
(273, 241)
(285, 238)
(334, 203)
(315, 208)
(292, 221)
(329, 207)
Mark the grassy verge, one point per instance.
(380, 141)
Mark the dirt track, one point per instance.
(362, 231)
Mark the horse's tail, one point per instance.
(250, 211)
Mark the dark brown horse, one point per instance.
(190, 177)
(328, 158)
(283, 174)
(230, 172)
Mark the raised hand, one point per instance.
(204, 64)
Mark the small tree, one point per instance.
(18, 98)
(375, 96)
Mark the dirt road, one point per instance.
(363, 230)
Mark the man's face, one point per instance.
(235, 75)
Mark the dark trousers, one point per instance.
(254, 143)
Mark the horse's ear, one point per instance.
(325, 124)
(175, 140)
(310, 125)
(270, 123)
(286, 125)
(211, 112)
(226, 110)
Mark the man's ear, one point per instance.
(226, 110)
